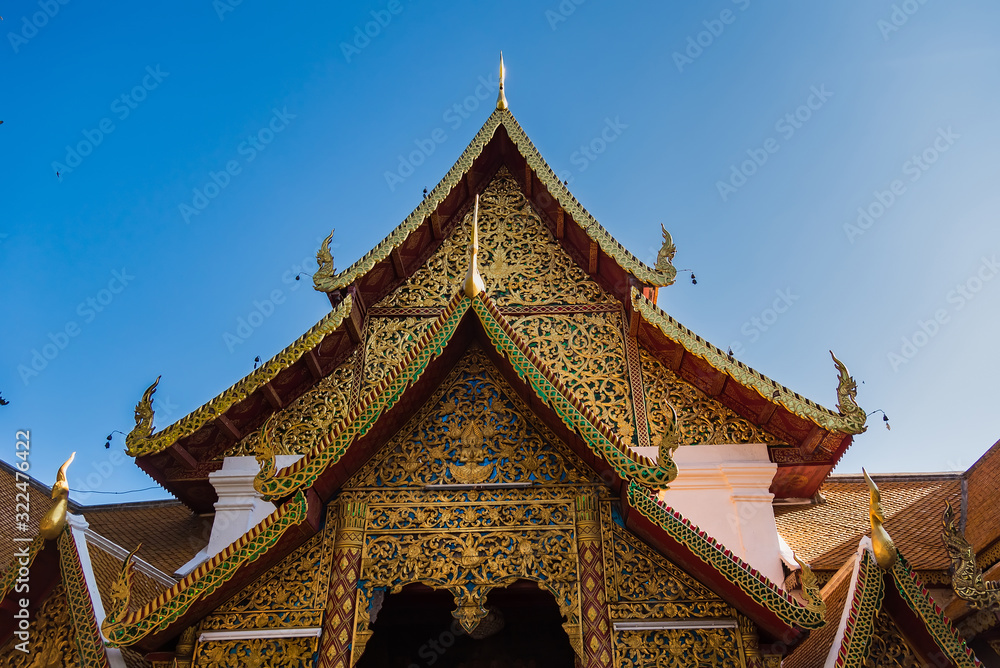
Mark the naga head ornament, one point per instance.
(143, 418)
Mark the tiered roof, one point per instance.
(809, 439)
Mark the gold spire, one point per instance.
(501, 98)
(882, 545)
(55, 520)
(473, 281)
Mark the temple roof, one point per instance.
(808, 439)
(826, 534)
(865, 602)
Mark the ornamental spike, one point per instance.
(501, 97)
(882, 545)
(54, 521)
(473, 281)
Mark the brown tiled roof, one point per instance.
(39, 503)
(813, 650)
(134, 659)
(826, 535)
(169, 532)
(983, 521)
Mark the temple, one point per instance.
(496, 450)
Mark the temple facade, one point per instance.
(496, 450)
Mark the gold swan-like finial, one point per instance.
(473, 281)
(501, 97)
(55, 520)
(882, 545)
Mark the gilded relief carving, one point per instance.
(588, 352)
(702, 420)
(889, 648)
(295, 428)
(677, 648)
(290, 595)
(473, 430)
(387, 340)
(520, 260)
(52, 638)
(257, 653)
(642, 584)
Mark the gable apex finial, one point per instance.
(501, 97)
(473, 281)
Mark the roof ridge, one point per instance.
(864, 598)
(919, 600)
(742, 373)
(326, 281)
(904, 476)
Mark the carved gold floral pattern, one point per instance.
(889, 648)
(474, 420)
(298, 425)
(256, 653)
(387, 341)
(520, 260)
(52, 638)
(702, 420)
(290, 595)
(677, 648)
(636, 574)
(587, 351)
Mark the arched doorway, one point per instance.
(415, 629)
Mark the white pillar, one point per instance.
(723, 489)
(239, 508)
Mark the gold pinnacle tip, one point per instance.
(501, 97)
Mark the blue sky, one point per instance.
(892, 108)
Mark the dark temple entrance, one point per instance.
(415, 629)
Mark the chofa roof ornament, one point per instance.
(882, 545)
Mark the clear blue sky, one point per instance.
(198, 79)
